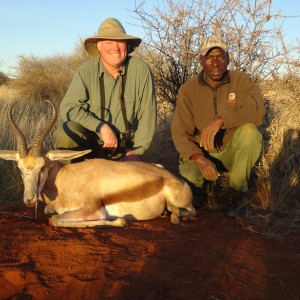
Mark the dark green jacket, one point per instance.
(237, 99)
(82, 100)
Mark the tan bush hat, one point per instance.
(213, 42)
(110, 29)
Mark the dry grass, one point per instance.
(162, 149)
(278, 173)
(8, 94)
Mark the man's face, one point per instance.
(214, 65)
(113, 52)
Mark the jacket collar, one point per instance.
(225, 79)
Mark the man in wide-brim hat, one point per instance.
(110, 106)
(111, 29)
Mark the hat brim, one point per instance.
(90, 44)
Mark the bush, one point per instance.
(48, 77)
(3, 78)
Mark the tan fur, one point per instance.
(29, 162)
(100, 192)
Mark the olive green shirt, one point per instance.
(82, 102)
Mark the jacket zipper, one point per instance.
(215, 100)
(216, 111)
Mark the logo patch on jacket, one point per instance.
(232, 98)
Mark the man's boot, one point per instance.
(237, 204)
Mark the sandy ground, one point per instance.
(211, 257)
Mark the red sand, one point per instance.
(211, 257)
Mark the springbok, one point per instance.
(95, 192)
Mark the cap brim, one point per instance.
(203, 52)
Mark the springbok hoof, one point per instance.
(184, 213)
(49, 210)
(175, 216)
(53, 221)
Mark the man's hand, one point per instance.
(131, 156)
(209, 132)
(110, 141)
(206, 167)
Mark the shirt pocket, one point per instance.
(132, 106)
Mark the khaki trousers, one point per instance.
(239, 158)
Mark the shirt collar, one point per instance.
(103, 70)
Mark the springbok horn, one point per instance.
(37, 144)
(21, 142)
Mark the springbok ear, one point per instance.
(9, 155)
(65, 154)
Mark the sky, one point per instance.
(44, 28)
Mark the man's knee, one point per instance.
(70, 135)
(248, 135)
(191, 173)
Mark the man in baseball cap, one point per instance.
(215, 126)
